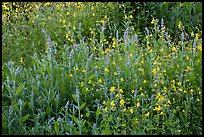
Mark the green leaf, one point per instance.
(74, 97)
(20, 88)
(88, 114)
(75, 119)
(83, 123)
(48, 69)
(91, 76)
(97, 112)
(82, 106)
(48, 110)
(56, 126)
(23, 119)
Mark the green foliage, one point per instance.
(115, 80)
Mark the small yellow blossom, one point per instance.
(147, 114)
(162, 113)
(145, 81)
(112, 89)
(138, 104)
(154, 71)
(77, 69)
(106, 69)
(131, 54)
(153, 21)
(173, 49)
(105, 109)
(100, 81)
(121, 79)
(132, 91)
(112, 103)
(191, 91)
(87, 89)
(71, 75)
(131, 16)
(121, 90)
(131, 110)
(82, 84)
(142, 94)
(122, 102)
(179, 83)
(83, 70)
(169, 101)
(157, 108)
(21, 60)
(197, 36)
(89, 82)
(179, 25)
(165, 89)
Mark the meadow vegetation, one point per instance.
(101, 68)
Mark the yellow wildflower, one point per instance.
(121, 79)
(121, 90)
(154, 71)
(71, 75)
(100, 81)
(106, 69)
(173, 49)
(112, 89)
(131, 110)
(21, 60)
(112, 103)
(153, 21)
(179, 83)
(89, 82)
(146, 115)
(122, 102)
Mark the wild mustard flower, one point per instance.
(122, 102)
(131, 54)
(145, 81)
(100, 81)
(121, 90)
(157, 108)
(165, 89)
(21, 60)
(82, 84)
(83, 70)
(132, 91)
(89, 82)
(179, 83)
(197, 36)
(191, 91)
(112, 89)
(173, 48)
(138, 104)
(106, 70)
(122, 80)
(154, 71)
(77, 69)
(112, 103)
(140, 88)
(162, 113)
(153, 21)
(147, 114)
(71, 75)
(131, 110)
(179, 25)
(87, 89)
(131, 16)
(105, 109)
